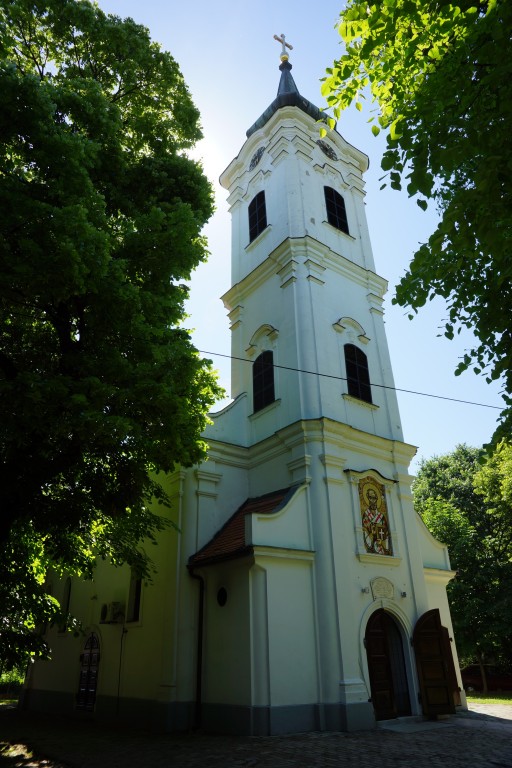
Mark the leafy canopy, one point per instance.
(101, 212)
(467, 505)
(441, 76)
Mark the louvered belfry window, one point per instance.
(263, 381)
(358, 377)
(336, 211)
(257, 216)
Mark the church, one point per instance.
(298, 590)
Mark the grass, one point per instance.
(504, 697)
(6, 702)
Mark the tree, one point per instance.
(441, 75)
(467, 505)
(101, 212)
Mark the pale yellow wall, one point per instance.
(145, 649)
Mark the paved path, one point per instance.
(481, 738)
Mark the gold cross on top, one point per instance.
(282, 40)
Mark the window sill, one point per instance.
(259, 237)
(358, 401)
(133, 623)
(390, 560)
(266, 409)
(339, 231)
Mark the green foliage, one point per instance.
(10, 683)
(465, 503)
(451, 478)
(101, 213)
(441, 76)
(13, 678)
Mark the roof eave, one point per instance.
(287, 100)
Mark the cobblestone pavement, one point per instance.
(480, 738)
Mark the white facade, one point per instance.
(257, 622)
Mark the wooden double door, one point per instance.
(386, 666)
(387, 670)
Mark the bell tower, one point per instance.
(306, 303)
(315, 566)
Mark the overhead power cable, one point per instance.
(342, 378)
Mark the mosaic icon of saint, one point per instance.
(372, 498)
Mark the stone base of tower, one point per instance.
(358, 716)
(275, 721)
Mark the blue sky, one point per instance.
(230, 61)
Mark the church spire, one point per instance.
(287, 93)
(286, 83)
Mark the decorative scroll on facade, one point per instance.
(374, 516)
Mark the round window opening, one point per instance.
(222, 597)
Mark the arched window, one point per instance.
(88, 682)
(263, 381)
(336, 211)
(64, 606)
(257, 216)
(358, 377)
(134, 596)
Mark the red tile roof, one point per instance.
(229, 541)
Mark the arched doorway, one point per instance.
(386, 666)
(89, 663)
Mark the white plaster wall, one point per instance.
(433, 552)
(226, 657)
(231, 423)
(288, 528)
(293, 171)
(292, 650)
(325, 517)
